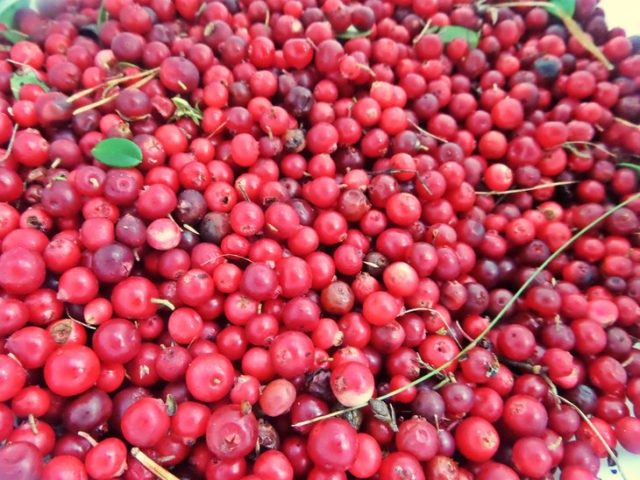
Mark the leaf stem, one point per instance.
(493, 322)
(597, 433)
(10, 146)
(159, 471)
(626, 122)
(528, 189)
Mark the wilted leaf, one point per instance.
(18, 79)
(117, 152)
(383, 412)
(354, 417)
(584, 39)
(170, 405)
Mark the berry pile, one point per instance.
(314, 239)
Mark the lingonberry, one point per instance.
(88, 412)
(116, 341)
(145, 422)
(288, 187)
(21, 459)
(209, 377)
(71, 370)
(524, 415)
(231, 432)
(531, 457)
(476, 439)
(23, 271)
(107, 458)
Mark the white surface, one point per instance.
(625, 14)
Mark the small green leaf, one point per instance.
(451, 32)
(353, 32)
(567, 6)
(13, 36)
(185, 109)
(18, 79)
(117, 152)
(9, 8)
(103, 16)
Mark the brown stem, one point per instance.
(159, 471)
(92, 441)
(10, 146)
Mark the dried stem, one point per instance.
(428, 134)
(529, 189)
(159, 471)
(626, 122)
(144, 77)
(493, 322)
(10, 146)
(597, 433)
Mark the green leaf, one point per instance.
(567, 6)
(449, 33)
(18, 79)
(117, 152)
(633, 166)
(103, 16)
(353, 32)
(13, 36)
(9, 8)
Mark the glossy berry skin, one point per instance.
(332, 444)
(352, 383)
(71, 370)
(133, 298)
(106, 459)
(209, 377)
(477, 439)
(291, 354)
(626, 433)
(145, 422)
(310, 205)
(13, 376)
(231, 433)
(23, 271)
(21, 460)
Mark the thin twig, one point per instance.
(626, 122)
(427, 133)
(493, 322)
(159, 471)
(528, 189)
(10, 146)
(597, 433)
